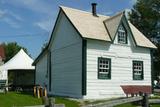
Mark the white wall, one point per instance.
(3, 74)
(66, 59)
(121, 68)
(41, 71)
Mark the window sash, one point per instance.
(122, 35)
(137, 70)
(104, 68)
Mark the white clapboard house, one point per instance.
(92, 56)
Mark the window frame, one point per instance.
(120, 31)
(142, 70)
(109, 68)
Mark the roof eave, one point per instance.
(40, 55)
(154, 48)
(97, 39)
(61, 7)
(47, 47)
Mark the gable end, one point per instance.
(124, 22)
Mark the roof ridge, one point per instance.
(118, 14)
(82, 10)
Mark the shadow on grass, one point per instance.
(26, 93)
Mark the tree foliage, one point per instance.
(145, 15)
(11, 49)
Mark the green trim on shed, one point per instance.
(122, 21)
(107, 77)
(126, 34)
(142, 76)
(35, 75)
(84, 72)
(50, 71)
(152, 70)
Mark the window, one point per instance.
(122, 36)
(104, 68)
(137, 70)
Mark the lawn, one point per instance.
(126, 105)
(68, 103)
(18, 99)
(22, 99)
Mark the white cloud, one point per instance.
(11, 22)
(9, 13)
(10, 18)
(46, 25)
(1, 13)
(40, 6)
(14, 15)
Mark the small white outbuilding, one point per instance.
(92, 56)
(21, 67)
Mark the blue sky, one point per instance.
(30, 22)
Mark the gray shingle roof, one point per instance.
(88, 25)
(112, 24)
(102, 27)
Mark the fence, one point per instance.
(55, 105)
(143, 99)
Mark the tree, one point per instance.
(145, 15)
(11, 49)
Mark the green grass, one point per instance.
(126, 105)
(22, 99)
(17, 99)
(68, 103)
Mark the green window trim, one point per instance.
(121, 30)
(104, 73)
(140, 65)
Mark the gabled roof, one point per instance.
(112, 24)
(88, 25)
(140, 39)
(102, 27)
(98, 27)
(20, 61)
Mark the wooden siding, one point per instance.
(66, 60)
(41, 71)
(121, 73)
